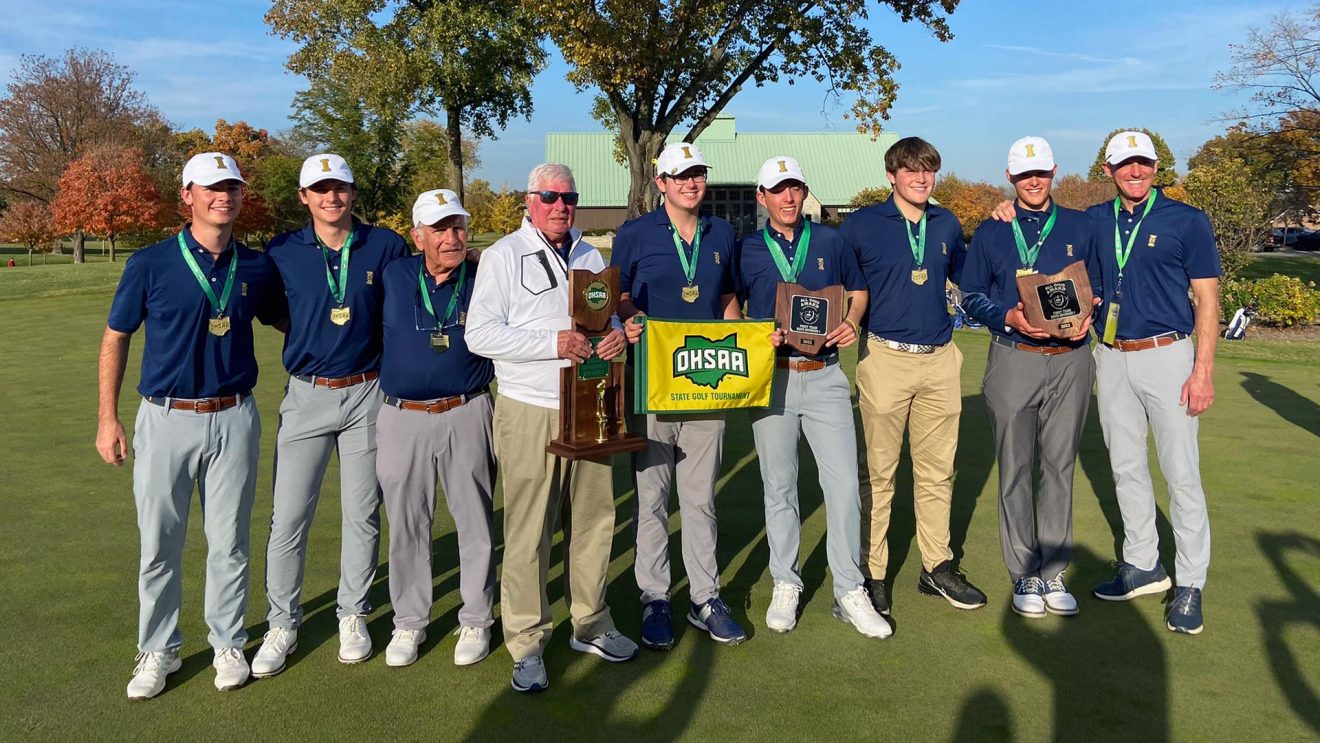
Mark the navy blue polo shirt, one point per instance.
(650, 271)
(989, 280)
(899, 309)
(830, 260)
(1174, 245)
(315, 345)
(410, 369)
(181, 358)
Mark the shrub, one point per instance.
(1279, 300)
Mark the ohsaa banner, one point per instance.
(692, 367)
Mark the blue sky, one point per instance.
(1070, 72)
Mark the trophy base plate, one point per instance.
(593, 450)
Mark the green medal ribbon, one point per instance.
(219, 304)
(789, 274)
(918, 243)
(1030, 254)
(337, 289)
(453, 299)
(1121, 252)
(689, 266)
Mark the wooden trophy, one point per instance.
(591, 404)
(1058, 303)
(807, 316)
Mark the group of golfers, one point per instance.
(391, 357)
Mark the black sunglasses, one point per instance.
(549, 197)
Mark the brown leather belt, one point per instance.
(1042, 350)
(441, 405)
(338, 383)
(797, 363)
(202, 405)
(1145, 344)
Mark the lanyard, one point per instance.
(217, 305)
(337, 289)
(453, 299)
(1029, 254)
(917, 244)
(689, 267)
(1121, 253)
(786, 272)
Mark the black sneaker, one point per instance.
(949, 583)
(879, 596)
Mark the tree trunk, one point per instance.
(112, 247)
(79, 247)
(454, 125)
(642, 151)
(29, 257)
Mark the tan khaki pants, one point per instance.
(535, 485)
(922, 393)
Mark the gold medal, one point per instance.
(218, 326)
(1026, 272)
(919, 276)
(339, 315)
(691, 293)
(439, 342)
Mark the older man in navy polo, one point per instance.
(810, 396)
(908, 368)
(332, 272)
(678, 265)
(197, 425)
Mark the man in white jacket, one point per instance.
(519, 319)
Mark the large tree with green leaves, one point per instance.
(473, 61)
(1165, 175)
(664, 63)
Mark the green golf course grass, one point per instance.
(68, 562)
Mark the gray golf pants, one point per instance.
(315, 421)
(1038, 407)
(682, 450)
(816, 404)
(456, 446)
(1132, 389)
(172, 450)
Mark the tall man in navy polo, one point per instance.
(198, 292)
(331, 270)
(1037, 387)
(1148, 370)
(908, 368)
(810, 395)
(436, 422)
(678, 265)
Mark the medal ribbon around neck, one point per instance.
(218, 304)
(917, 244)
(789, 273)
(453, 299)
(1122, 253)
(689, 267)
(1030, 254)
(340, 288)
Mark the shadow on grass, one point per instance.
(1297, 409)
(1301, 608)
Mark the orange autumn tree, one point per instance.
(27, 223)
(108, 192)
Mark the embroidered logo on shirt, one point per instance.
(820, 264)
(242, 289)
(462, 318)
(371, 276)
(1151, 242)
(717, 257)
(1069, 247)
(944, 247)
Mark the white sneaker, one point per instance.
(354, 642)
(473, 645)
(278, 644)
(231, 669)
(529, 675)
(1057, 598)
(854, 607)
(1029, 597)
(402, 650)
(782, 614)
(150, 672)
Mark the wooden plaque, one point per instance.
(807, 316)
(591, 394)
(1057, 303)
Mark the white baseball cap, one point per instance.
(209, 168)
(679, 157)
(1129, 144)
(433, 206)
(1028, 154)
(778, 169)
(322, 167)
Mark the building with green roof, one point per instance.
(838, 166)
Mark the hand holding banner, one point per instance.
(703, 366)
